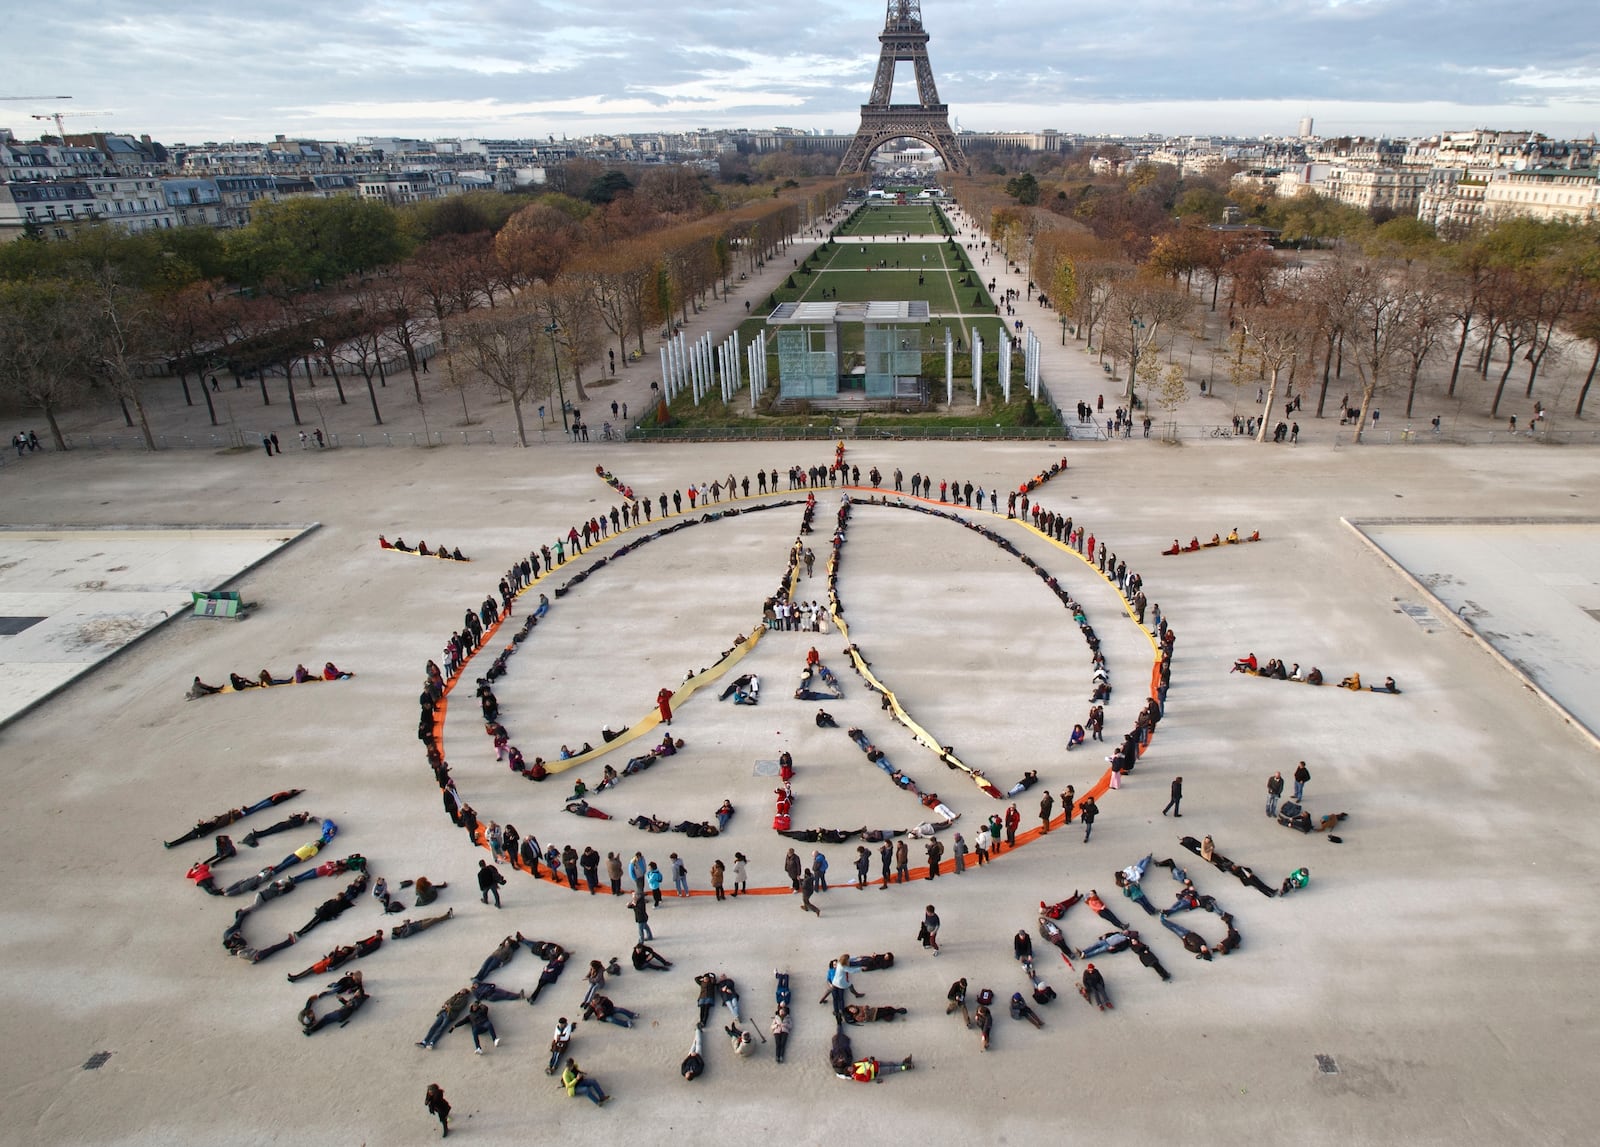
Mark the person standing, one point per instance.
(930, 929)
(902, 861)
(1013, 821)
(433, 1099)
(1087, 813)
(1274, 791)
(641, 916)
(838, 984)
(637, 869)
(1069, 797)
(1177, 797)
(489, 882)
(614, 872)
(819, 869)
(653, 880)
(664, 697)
(1301, 776)
(1047, 806)
(717, 870)
(680, 876)
(886, 859)
(808, 885)
(741, 873)
(863, 866)
(791, 865)
(995, 830)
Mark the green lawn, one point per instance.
(847, 256)
(878, 218)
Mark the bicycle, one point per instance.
(1222, 432)
(607, 434)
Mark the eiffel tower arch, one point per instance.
(903, 40)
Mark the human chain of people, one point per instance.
(991, 839)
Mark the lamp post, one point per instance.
(1063, 330)
(555, 357)
(1134, 327)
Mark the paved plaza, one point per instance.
(1438, 963)
(70, 599)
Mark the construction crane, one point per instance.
(59, 116)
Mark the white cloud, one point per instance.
(180, 68)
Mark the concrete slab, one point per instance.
(1530, 589)
(1442, 956)
(85, 593)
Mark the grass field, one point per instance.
(851, 272)
(876, 218)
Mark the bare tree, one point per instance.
(125, 336)
(44, 327)
(1429, 309)
(1139, 311)
(1377, 317)
(1278, 331)
(505, 349)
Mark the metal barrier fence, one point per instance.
(250, 439)
(1074, 431)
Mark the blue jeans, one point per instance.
(1097, 948)
(622, 1017)
(478, 1031)
(1299, 790)
(1272, 804)
(590, 1088)
(441, 1024)
(644, 931)
(680, 884)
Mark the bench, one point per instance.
(222, 603)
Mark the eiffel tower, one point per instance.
(927, 119)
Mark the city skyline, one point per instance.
(187, 73)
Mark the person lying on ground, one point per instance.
(693, 1064)
(1058, 910)
(584, 808)
(1108, 942)
(868, 1013)
(650, 824)
(349, 1004)
(548, 975)
(295, 820)
(696, 828)
(1051, 931)
(1029, 779)
(1192, 941)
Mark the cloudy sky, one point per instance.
(185, 71)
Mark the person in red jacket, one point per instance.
(664, 705)
(1013, 821)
